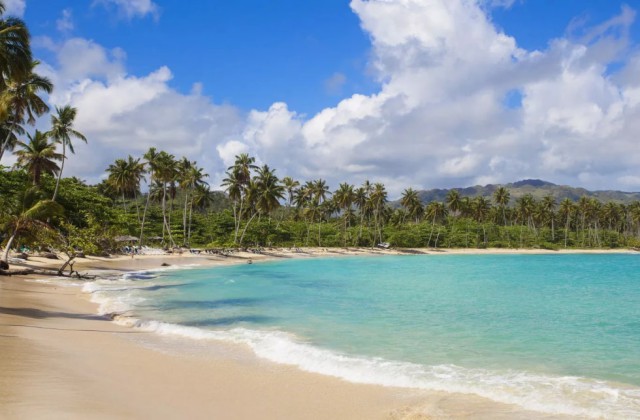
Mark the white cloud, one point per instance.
(132, 8)
(15, 7)
(440, 117)
(121, 114)
(65, 22)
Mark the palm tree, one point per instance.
(125, 177)
(29, 216)
(38, 156)
(435, 211)
(566, 210)
(19, 101)
(378, 200)
(548, 206)
(454, 202)
(15, 49)
(201, 198)
(62, 131)
(151, 164)
(344, 197)
(189, 177)
(480, 207)
(411, 202)
(9, 132)
(237, 183)
(501, 197)
(165, 172)
(290, 186)
(319, 192)
(362, 202)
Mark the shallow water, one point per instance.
(552, 333)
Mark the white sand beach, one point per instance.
(61, 360)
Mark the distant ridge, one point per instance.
(536, 187)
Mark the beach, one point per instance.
(61, 360)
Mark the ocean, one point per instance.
(556, 334)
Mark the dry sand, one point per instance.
(60, 360)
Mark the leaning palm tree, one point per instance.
(9, 132)
(61, 131)
(19, 102)
(29, 215)
(38, 157)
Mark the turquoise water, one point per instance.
(552, 333)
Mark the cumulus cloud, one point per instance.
(15, 7)
(131, 8)
(122, 114)
(442, 116)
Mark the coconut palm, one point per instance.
(124, 178)
(62, 131)
(9, 132)
(19, 102)
(344, 197)
(165, 172)
(454, 202)
(150, 165)
(548, 207)
(411, 202)
(378, 199)
(237, 187)
(38, 157)
(566, 210)
(501, 197)
(189, 177)
(29, 216)
(436, 211)
(290, 186)
(15, 49)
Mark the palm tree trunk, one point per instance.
(190, 219)
(144, 215)
(184, 217)
(5, 255)
(135, 200)
(245, 227)
(124, 203)
(5, 143)
(64, 157)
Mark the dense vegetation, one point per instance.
(41, 208)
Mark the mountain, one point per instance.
(536, 187)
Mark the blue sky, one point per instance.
(422, 93)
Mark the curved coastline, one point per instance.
(47, 328)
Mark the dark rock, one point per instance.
(4, 265)
(165, 265)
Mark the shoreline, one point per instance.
(61, 359)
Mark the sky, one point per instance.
(411, 93)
